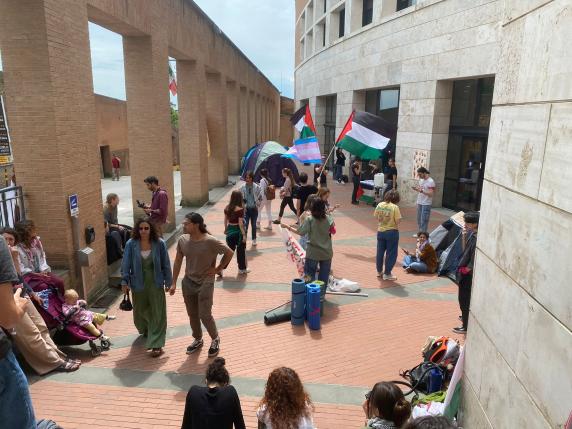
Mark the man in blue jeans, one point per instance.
(16, 409)
(426, 189)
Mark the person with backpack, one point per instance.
(268, 194)
(385, 407)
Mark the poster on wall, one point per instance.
(419, 160)
(5, 150)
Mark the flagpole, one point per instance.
(333, 147)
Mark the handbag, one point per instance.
(270, 192)
(126, 303)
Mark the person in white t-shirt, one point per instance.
(426, 189)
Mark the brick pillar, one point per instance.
(232, 127)
(267, 119)
(51, 111)
(148, 118)
(191, 88)
(252, 120)
(259, 129)
(424, 115)
(243, 120)
(216, 123)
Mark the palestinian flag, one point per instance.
(172, 82)
(302, 121)
(365, 135)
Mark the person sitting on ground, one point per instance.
(32, 335)
(424, 260)
(385, 407)
(33, 265)
(430, 422)
(75, 310)
(110, 216)
(304, 191)
(113, 244)
(324, 193)
(216, 405)
(285, 405)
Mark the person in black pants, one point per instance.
(286, 195)
(465, 268)
(216, 405)
(338, 167)
(356, 173)
(234, 229)
(252, 197)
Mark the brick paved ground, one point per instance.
(363, 340)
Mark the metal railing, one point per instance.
(12, 208)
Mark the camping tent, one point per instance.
(446, 239)
(268, 155)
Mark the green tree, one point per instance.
(174, 116)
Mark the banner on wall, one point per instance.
(5, 150)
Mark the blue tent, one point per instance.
(267, 155)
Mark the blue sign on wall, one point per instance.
(74, 205)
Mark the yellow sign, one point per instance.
(5, 159)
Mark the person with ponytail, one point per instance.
(285, 405)
(216, 405)
(234, 229)
(200, 249)
(286, 195)
(385, 407)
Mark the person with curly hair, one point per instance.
(385, 407)
(216, 405)
(285, 405)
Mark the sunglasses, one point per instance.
(144, 228)
(368, 395)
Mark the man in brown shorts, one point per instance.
(201, 251)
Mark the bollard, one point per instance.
(298, 301)
(313, 306)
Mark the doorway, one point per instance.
(105, 155)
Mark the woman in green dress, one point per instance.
(146, 271)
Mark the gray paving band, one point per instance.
(246, 386)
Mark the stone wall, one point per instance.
(519, 347)
(286, 129)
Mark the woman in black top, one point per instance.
(356, 173)
(216, 405)
(340, 162)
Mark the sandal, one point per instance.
(156, 352)
(68, 366)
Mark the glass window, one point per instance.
(367, 12)
(404, 4)
(388, 99)
(342, 22)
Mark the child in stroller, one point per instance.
(67, 332)
(75, 310)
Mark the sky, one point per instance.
(262, 30)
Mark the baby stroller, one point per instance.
(67, 333)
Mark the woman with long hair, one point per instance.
(324, 194)
(234, 229)
(265, 186)
(110, 216)
(146, 271)
(215, 405)
(388, 217)
(385, 407)
(286, 194)
(285, 405)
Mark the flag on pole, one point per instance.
(302, 121)
(365, 135)
(172, 81)
(305, 150)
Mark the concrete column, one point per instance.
(232, 134)
(217, 130)
(148, 118)
(318, 111)
(243, 120)
(51, 111)
(424, 115)
(191, 88)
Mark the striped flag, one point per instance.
(172, 81)
(365, 135)
(305, 150)
(302, 121)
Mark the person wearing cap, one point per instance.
(465, 267)
(426, 189)
(200, 249)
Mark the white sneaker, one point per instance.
(246, 271)
(254, 242)
(389, 277)
(110, 317)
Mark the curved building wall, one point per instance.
(420, 49)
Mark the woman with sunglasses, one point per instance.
(146, 271)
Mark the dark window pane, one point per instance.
(367, 12)
(403, 4)
(342, 26)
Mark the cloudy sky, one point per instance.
(263, 30)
